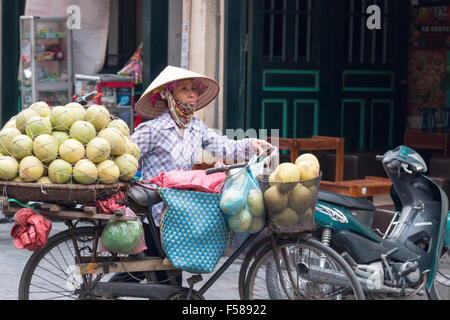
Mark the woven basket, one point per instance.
(59, 193)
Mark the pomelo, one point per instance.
(6, 137)
(85, 172)
(82, 131)
(23, 117)
(21, 147)
(98, 150)
(61, 136)
(11, 123)
(98, 115)
(37, 126)
(108, 172)
(61, 118)
(31, 169)
(308, 169)
(116, 141)
(255, 202)
(45, 148)
(44, 180)
(60, 171)
(310, 157)
(42, 108)
(8, 168)
(77, 110)
(71, 151)
(120, 125)
(127, 165)
(240, 222)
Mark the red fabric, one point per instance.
(31, 230)
(195, 180)
(109, 205)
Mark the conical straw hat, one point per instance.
(146, 109)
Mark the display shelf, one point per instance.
(46, 60)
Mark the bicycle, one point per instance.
(71, 266)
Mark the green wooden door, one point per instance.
(313, 67)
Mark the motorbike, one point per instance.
(411, 255)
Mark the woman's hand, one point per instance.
(258, 145)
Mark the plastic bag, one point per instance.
(125, 237)
(242, 202)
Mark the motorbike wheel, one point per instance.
(305, 258)
(440, 290)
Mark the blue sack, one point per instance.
(194, 233)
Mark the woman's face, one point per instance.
(186, 92)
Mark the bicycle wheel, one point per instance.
(50, 272)
(441, 285)
(313, 272)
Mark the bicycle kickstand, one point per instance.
(191, 281)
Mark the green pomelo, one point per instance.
(98, 150)
(21, 147)
(77, 110)
(23, 117)
(300, 197)
(8, 168)
(6, 137)
(97, 115)
(116, 141)
(128, 167)
(31, 169)
(60, 171)
(255, 202)
(42, 108)
(120, 125)
(18, 179)
(275, 200)
(45, 148)
(231, 201)
(286, 218)
(44, 180)
(37, 126)
(85, 172)
(240, 222)
(122, 236)
(61, 118)
(108, 172)
(82, 131)
(71, 151)
(61, 136)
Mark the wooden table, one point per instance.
(363, 188)
(427, 140)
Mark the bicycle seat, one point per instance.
(140, 196)
(345, 201)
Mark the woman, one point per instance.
(173, 137)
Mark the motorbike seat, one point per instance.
(140, 196)
(346, 201)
